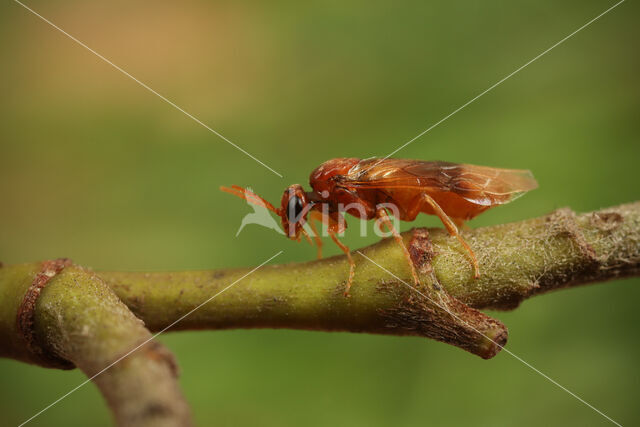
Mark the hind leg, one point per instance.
(452, 229)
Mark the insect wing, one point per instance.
(478, 184)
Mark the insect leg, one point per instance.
(306, 236)
(453, 230)
(384, 216)
(316, 237)
(352, 265)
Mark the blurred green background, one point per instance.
(95, 168)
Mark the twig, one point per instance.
(59, 315)
(517, 261)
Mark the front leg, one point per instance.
(313, 217)
(352, 265)
(334, 223)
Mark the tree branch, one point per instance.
(58, 315)
(517, 260)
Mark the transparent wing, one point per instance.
(478, 184)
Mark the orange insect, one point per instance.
(364, 188)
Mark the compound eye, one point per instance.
(294, 209)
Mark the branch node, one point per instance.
(159, 353)
(563, 222)
(421, 250)
(606, 221)
(434, 313)
(26, 314)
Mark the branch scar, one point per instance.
(25, 319)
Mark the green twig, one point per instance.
(58, 315)
(517, 260)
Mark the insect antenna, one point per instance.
(250, 197)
